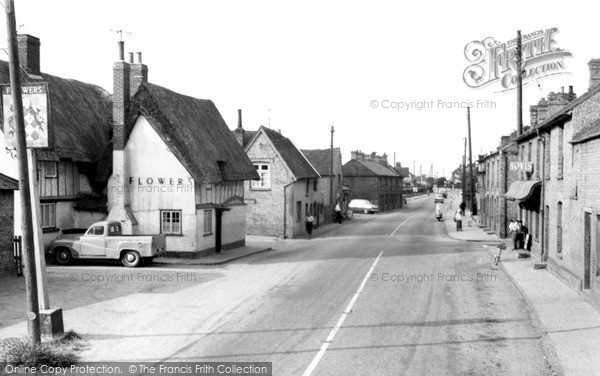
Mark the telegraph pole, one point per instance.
(33, 313)
(471, 183)
(464, 172)
(331, 172)
(519, 86)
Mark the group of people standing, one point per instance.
(520, 235)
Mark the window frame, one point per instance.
(207, 225)
(51, 216)
(171, 220)
(258, 184)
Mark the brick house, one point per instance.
(570, 189)
(71, 186)
(176, 169)
(494, 179)
(8, 186)
(533, 161)
(320, 159)
(372, 178)
(288, 187)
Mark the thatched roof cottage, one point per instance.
(177, 169)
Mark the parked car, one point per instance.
(105, 240)
(439, 198)
(363, 206)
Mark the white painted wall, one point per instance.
(150, 158)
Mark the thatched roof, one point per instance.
(80, 117)
(195, 132)
(8, 184)
(358, 168)
(296, 161)
(321, 159)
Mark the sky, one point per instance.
(301, 67)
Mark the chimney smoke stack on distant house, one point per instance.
(121, 46)
(594, 66)
(139, 57)
(239, 131)
(131, 58)
(29, 53)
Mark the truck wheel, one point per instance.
(131, 259)
(62, 256)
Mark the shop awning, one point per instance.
(521, 189)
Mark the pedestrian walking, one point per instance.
(309, 224)
(462, 207)
(338, 213)
(513, 229)
(458, 220)
(520, 234)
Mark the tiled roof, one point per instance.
(321, 159)
(8, 183)
(357, 167)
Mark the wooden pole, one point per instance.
(519, 86)
(33, 313)
(471, 182)
(331, 173)
(40, 259)
(464, 172)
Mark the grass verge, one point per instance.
(57, 352)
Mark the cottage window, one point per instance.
(51, 170)
(537, 159)
(207, 222)
(339, 179)
(548, 154)
(307, 186)
(48, 215)
(315, 185)
(265, 176)
(170, 222)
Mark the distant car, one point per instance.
(445, 194)
(439, 198)
(363, 206)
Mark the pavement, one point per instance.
(568, 324)
(251, 248)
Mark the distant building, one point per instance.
(372, 178)
(177, 169)
(495, 177)
(7, 188)
(288, 187)
(321, 161)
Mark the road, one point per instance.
(383, 294)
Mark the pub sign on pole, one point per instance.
(35, 112)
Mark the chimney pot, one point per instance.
(131, 58)
(139, 58)
(121, 45)
(240, 118)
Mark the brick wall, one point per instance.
(374, 189)
(7, 265)
(578, 191)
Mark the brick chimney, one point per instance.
(138, 74)
(239, 131)
(594, 65)
(118, 186)
(29, 53)
(121, 95)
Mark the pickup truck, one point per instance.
(105, 240)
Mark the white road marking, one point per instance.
(317, 358)
(400, 225)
